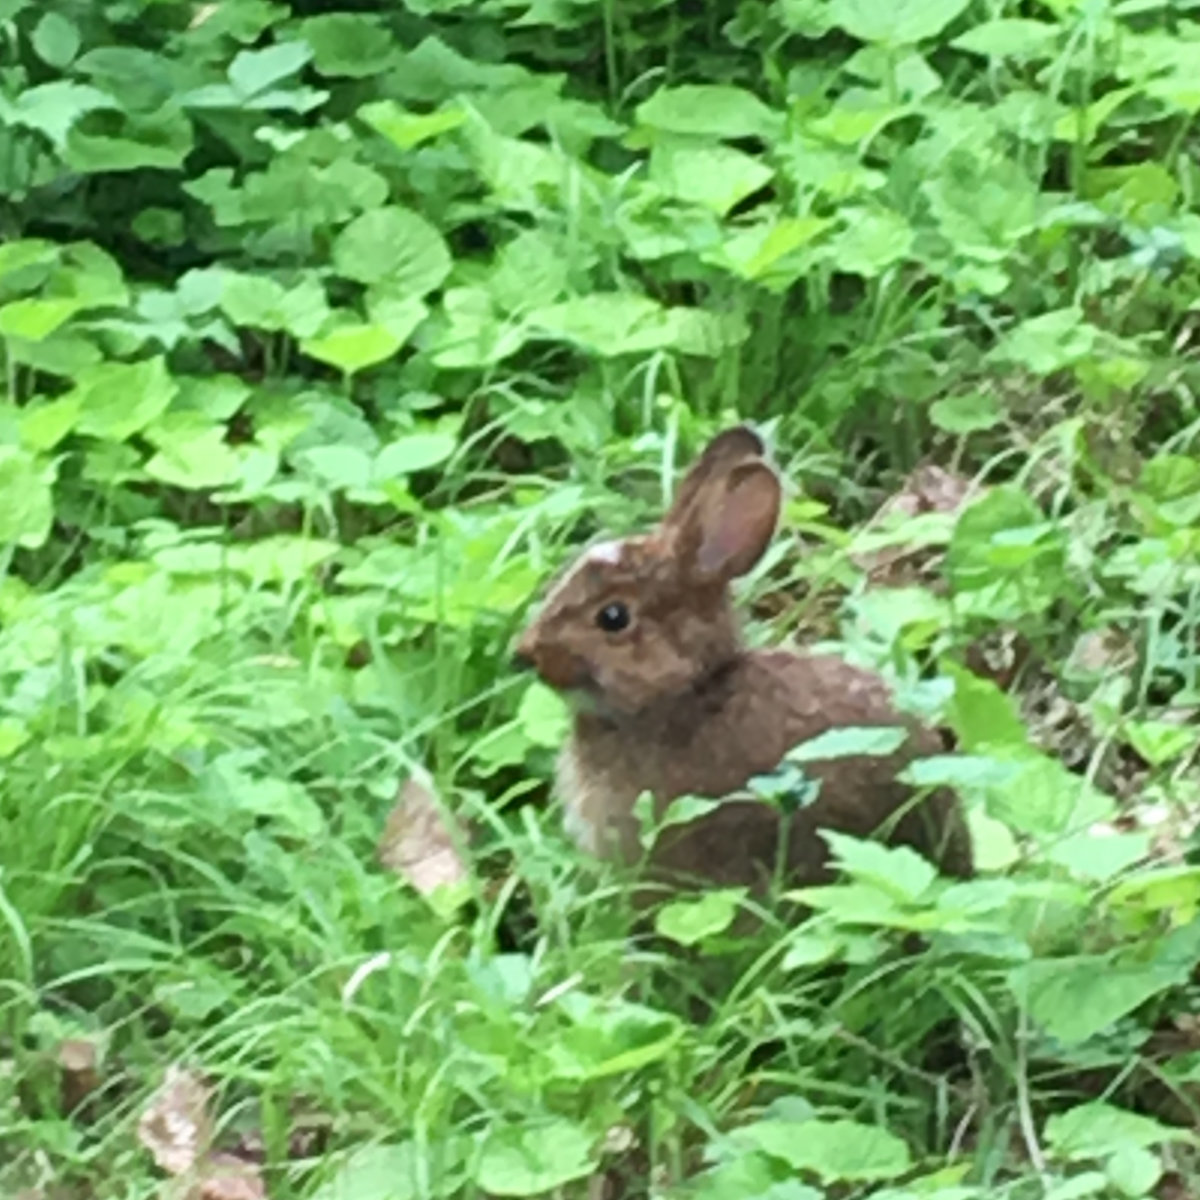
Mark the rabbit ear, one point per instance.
(731, 446)
(732, 523)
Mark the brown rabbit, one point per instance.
(640, 635)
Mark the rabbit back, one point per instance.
(740, 723)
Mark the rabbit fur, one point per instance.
(641, 637)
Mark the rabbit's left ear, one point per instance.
(731, 523)
(737, 444)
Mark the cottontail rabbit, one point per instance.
(640, 635)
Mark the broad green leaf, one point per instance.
(45, 424)
(836, 1151)
(159, 140)
(1096, 1130)
(533, 1158)
(406, 129)
(413, 452)
(712, 110)
(608, 323)
(1134, 1171)
(56, 40)
(1048, 342)
(261, 303)
(897, 870)
(981, 714)
(53, 108)
(349, 44)
(396, 245)
(353, 348)
(35, 320)
(26, 498)
(116, 399)
(345, 467)
(691, 921)
(698, 171)
(253, 71)
(399, 1171)
(749, 1177)
(850, 741)
(967, 412)
(1158, 742)
(898, 23)
(768, 251)
(873, 240)
(192, 452)
(1074, 999)
(543, 716)
(610, 1037)
(1011, 37)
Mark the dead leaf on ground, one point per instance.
(417, 842)
(177, 1127)
(79, 1061)
(225, 1177)
(928, 489)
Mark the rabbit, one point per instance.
(641, 638)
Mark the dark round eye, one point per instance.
(614, 617)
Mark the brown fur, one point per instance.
(676, 705)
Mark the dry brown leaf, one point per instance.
(224, 1177)
(79, 1061)
(176, 1127)
(417, 842)
(928, 489)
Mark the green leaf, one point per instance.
(413, 452)
(968, 412)
(850, 741)
(543, 716)
(116, 400)
(897, 870)
(708, 173)
(345, 467)
(192, 452)
(834, 1150)
(262, 303)
(1011, 37)
(610, 1037)
(897, 23)
(873, 240)
(1047, 343)
(353, 348)
(691, 921)
(353, 45)
(396, 245)
(1074, 999)
(56, 40)
(53, 108)
(532, 1158)
(159, 140)
(610, 324)
(406, 129)
(399, 1171)
(1158, 742)
(26, 499)
(711, 110)
(253, 71)
(749, 1177)
(35, 320)
(1096, 1130)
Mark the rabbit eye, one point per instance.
(614, 617)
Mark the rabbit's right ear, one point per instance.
(730, 524)
(727, 448)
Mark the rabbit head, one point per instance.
(636, 622)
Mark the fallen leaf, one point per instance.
(928, 489)
(79, 1061)
(176, 1127)
(224, 1177)
(417, 842)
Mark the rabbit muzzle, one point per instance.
(556, 666)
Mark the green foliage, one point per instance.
(324, 331)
